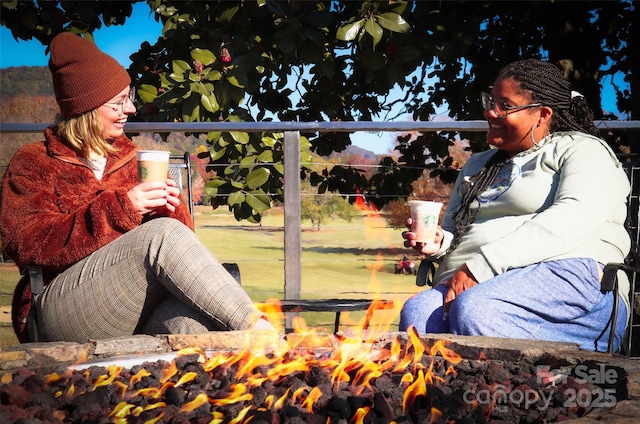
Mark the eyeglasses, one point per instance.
(500, 107)
(119, 106)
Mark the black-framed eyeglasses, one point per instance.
(119, 106)
(500, 107)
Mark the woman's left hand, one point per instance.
(462, 280)
(173, 199)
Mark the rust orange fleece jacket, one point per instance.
(54, 212)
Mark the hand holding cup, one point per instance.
(425, 234)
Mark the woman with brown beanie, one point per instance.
(117, 257)
(531, 223)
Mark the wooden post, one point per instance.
(292, 237)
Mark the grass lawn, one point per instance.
(343, 260)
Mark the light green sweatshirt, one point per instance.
(565, 198)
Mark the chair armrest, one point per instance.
(426, 271)
(609, 275)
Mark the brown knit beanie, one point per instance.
(84, 78)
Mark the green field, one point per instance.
(343, 260)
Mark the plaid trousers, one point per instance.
(156, 279)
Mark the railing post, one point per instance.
(292, 237)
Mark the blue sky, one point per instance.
(119, 41)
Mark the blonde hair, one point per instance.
(84, 133)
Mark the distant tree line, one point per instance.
(25, 80)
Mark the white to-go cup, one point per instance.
(424, 219)
(153, 165)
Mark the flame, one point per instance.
(417, 388)
(186, 378)
(368, 372)
(435, 415)
(196, 403)
(358, 417)
(282, 400)
(446, 353)
(192, 351)
(105, 380)
(353, 361)
(312, 398)
(240, 418)
(169, 372)
(138, 377)
(82, 358)
(121, 410)
(273, 311)
(238, 393)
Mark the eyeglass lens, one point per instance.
(120, 105)
(489, 103)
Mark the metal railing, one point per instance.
(292, 131)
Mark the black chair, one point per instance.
(631, 266)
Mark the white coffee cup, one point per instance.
(424, 219)
(153, 165)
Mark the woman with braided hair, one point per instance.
(530, 224)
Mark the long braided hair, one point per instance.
(477, 184)
(543, 83)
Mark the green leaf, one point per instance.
(198, 87)
(147, 93)
(217, 154)
(266, 156)
(213, 135)
(240, 137)
(248, 161)
(210, 103)
(214, 75)
(206, 57)
(177, 77)
(279, 167)
(210, 191)
(258, 200)
(349, 32)
(180, 67)
(374, 30)
(269, 141)
(256, 178)
(393, 22)
(236, 197)
(234, 81)
(228, 14)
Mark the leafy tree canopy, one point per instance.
(294, 60)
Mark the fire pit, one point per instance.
(392, 378)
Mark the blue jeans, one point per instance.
(557, 301)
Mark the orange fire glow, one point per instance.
(353, 363)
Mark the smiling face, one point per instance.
(115, 112)
(513, 132)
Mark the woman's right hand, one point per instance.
(426, 248)
(147, 197)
